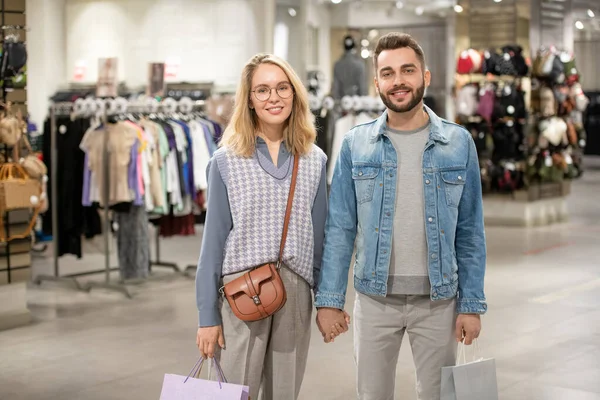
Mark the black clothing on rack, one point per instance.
(74, 220)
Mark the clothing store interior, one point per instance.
(112, 109)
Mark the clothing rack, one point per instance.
(62, 109)
(104, 109)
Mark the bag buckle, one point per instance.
(256, 300)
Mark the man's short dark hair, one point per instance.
(397, 40)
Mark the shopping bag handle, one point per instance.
(198, 368)
(461, 352)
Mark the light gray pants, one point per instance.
(271, 352)
(379, 327)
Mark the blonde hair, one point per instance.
(240, 134)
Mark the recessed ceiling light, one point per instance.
(497, 1)
(399, 5)
(591, 13)
(364, 42)
(419, 10)
(458, 8)
(292, 11)
(336, 1)
(579, 25)
(365, 53)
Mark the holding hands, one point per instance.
(332, 322)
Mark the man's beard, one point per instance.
(416, 99)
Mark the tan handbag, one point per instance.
(10, 131)
(18, 191)
(260, 293)
(34, 167)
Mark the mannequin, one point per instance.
(349, 75)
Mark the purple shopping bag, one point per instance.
(177, 387)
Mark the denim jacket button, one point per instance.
(460, 178)
(360, 174)
(428, 181)
(434, 256)
(430, 219)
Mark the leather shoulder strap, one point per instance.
(288, 210)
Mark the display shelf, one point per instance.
(13, 306)
(504, 210)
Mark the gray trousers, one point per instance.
(270, 354)
(379, 327)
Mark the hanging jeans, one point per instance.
(133, 243)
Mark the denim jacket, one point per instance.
(361, 210)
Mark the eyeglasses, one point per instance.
(263, 93)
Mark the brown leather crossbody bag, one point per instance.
(260, 293)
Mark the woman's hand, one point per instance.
(207, 338)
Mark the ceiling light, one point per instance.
(497, 1)
(419, 10)
(399, 5)
(336, 1)
(292, 12)
(373, 33)
(365, 53)
(458, 8)
(579, 25)
(364, 42)
(591, 13)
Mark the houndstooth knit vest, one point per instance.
(258, 193)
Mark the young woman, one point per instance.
(248, 183)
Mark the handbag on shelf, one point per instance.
(18, 191)
(10, 130)
(260, 293)
(34, 167)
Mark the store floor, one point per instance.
(543, 324)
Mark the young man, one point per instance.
(407, 187)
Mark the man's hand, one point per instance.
(332, 322)
(468, 327)
(207, 338)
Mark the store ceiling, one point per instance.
(553, 11)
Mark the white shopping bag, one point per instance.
(475, 380)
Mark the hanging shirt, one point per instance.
(119, 140)
(201, 155)
(342, 126)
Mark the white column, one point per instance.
(46, 50)
(450, 65)
(568, 27)
(269, 10)
(535, 27)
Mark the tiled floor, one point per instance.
(543, 325)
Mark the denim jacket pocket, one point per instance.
(364, 182)
(454, 183)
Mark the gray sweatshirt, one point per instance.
(408, 263)
(219, 223)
